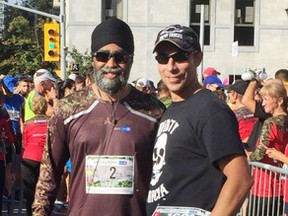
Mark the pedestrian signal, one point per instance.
(51, 42)
(74, 67)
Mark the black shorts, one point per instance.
(8, 155)
(18, 144)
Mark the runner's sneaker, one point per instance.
(59, 209)
(7, 199)
(17, 195)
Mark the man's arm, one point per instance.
(236, 186)
(47, 186)
(54, 158)
(22, 117)
(248, 99)
(52, 101)
(277, 155)
(263, 144)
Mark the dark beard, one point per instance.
(111, 86)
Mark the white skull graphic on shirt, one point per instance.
(159, 158)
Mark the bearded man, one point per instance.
(108, 130)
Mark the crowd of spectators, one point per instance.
(255, 118)
(257, 106)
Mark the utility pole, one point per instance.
(62, 39)
(201, 40)
(61, 19)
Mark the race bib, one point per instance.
(14, 115)
(109, 174)
(179, 211)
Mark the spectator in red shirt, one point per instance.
(245, 117)
(274, 134)
(34, 138)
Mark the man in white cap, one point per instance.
(43, 82)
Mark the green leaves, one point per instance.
(21, 52)
(22, 44)
(21, 48)
(84, 60)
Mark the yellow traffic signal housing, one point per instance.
(58, 72)
(51, 42)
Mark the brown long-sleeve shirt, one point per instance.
(86, 129)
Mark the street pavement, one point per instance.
(19, 209)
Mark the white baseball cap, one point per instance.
(142, 82)
(42, 75)
(72, 76)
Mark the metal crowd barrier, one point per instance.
(268, 194)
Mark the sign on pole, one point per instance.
(235, 49)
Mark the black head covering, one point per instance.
(115, 31)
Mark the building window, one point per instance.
(244, 25)
(195, 15)
(233, 77)
(112, 8)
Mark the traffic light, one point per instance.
(58, 73)
(51, 42)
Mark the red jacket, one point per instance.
(34, 137)
(274, 134)
(6, 130)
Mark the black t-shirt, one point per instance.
(262, 116)
(193, 135)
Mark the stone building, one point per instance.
(259, 26)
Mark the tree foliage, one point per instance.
(41, 5)
(22, 43)
(84, 60)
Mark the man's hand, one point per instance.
(50, 94)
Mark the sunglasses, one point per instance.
(177, 57)
(120, 56)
